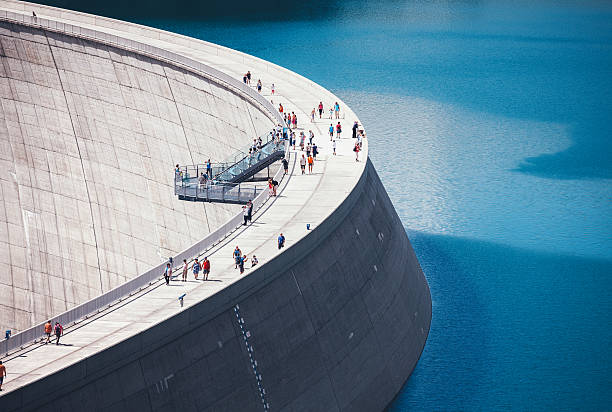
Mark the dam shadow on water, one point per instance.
(511, 329)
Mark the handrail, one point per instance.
(107, 299)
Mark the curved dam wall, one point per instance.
(89, 136)
(335, 322)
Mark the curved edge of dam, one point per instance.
(337, 321)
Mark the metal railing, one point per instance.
(153, 275)
(217, 192)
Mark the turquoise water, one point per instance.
(490, 126)
(489, 123)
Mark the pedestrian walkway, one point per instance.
(303, 201)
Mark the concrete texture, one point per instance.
(335, 321)
(89, 136)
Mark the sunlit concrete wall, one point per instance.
(89, 135)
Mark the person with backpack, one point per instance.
(48, 330)
(285, 165)
(237, 254)
(338, 130)
(59, 331)
(315, 151)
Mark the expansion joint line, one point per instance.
(246, 335)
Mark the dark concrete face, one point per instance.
(336, 322)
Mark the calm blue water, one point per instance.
(490, 124)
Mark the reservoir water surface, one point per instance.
(490, 125)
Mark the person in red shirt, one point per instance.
(205, 268)
(320, 109)
(2, 374)
(48, 330)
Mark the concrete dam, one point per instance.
(96, 113)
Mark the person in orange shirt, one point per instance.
(310, 163)
(48, 330)
(2, 374)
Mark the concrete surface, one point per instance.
(337, 321)
(89, 137)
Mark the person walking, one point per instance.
(337, 110)
(338, 130)
(312, 115)
(315, 151)
(209, 169)
(59, 331)
(185, 269)
(320, 109)
(237, 254)
(285, 165)
(273, 89)
(196, 268)
(280, 109)
(355, 127)
(259, 85)
(2, 374)
(331, 112)
(302, 140)
(48, 330)
(310, 163)
(248, 75)
(331, 132)
(310, 136)
(303, 164)
(281, 241)
(205, 268)
(356, 150)
(167, 273)
(334, 146)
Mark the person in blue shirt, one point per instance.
(237, 254)
(281, 241)
(196, 268)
